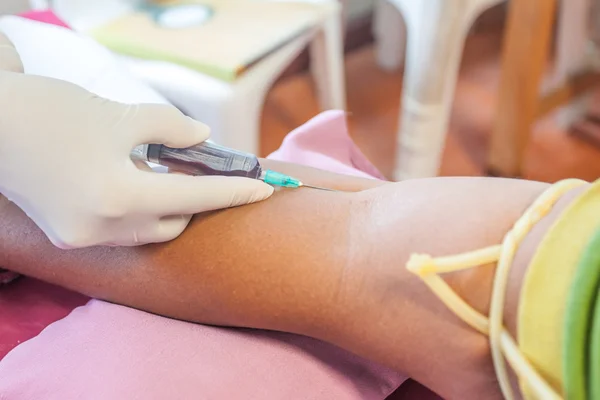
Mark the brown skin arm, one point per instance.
(324, 264)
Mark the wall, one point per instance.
(13, 6)
(359, 8)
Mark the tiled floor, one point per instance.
(373, 101)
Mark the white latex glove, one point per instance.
(65, 161)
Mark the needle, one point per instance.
(286, 181)
(317, 187)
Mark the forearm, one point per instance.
(224, 251)
(438, 348)
(328, 265)
(437, 217)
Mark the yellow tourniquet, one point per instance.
(501, 343)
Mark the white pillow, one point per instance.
(61, 53)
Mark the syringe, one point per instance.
(209, 158)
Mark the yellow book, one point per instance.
(234, 35)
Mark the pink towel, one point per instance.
(102, 350)
(46, 16)
(323, 142)
(27, 306)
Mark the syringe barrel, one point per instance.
(206, 159)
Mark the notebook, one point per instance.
(234, 35)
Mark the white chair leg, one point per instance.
(250, 93)
(390, 35)
(327, 62)
(437, 31)
(241, 114)
(233, 110)
(236, 123)
(39, 4)
(571, 55)
(593, 22)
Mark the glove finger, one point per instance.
(142, 165)
(165, 124)
(166, 229)
(9, 57)
(170, 194)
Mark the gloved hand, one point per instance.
(65, 161)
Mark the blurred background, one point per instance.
(431, 87)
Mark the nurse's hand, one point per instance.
(65, 161)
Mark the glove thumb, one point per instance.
(166, 229)
(165, 124)
(183, 194)
(233, 192)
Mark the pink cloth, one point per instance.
(46, 16)
(27, 306)
(323, 142)
(106, 351)
(102, 350)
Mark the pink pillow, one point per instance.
(106, 351)
(323, 142)
(102, 350)
(27, 306)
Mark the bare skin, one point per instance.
(324, 264)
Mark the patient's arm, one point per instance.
(324, 264)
